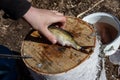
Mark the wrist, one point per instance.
(32, 17)
(29, 13)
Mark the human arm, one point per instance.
(14, 9)
(40, 19)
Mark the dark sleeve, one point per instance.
(15, 9)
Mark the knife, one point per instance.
(8, 56)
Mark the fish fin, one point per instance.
(35, 34)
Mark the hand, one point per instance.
(40, 19)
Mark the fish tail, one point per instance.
(82, 49)
(86, 49)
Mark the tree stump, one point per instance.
(56, 62)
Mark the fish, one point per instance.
(65, 38)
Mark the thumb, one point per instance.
(49, 35)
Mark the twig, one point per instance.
(79, 15)
(61, 4)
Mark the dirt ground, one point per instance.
(14, 32)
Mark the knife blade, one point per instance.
(8, 56)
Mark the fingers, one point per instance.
(61, 20)
(59, 16)
(49, 35)
(54, 17)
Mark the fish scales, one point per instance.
(65, 38)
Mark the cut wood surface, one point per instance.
(54, 59)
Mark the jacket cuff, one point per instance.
(15, 9)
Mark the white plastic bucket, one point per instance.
(115, 58)
(109, 19)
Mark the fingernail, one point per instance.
(54, 41)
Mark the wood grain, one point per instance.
(54, 59)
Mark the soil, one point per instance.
(13, 32)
